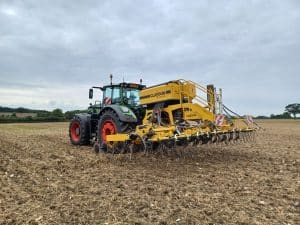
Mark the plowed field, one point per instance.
(46, 180)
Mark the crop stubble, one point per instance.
(46, 180)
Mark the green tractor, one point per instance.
(119, 112)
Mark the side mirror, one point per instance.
(91, 93)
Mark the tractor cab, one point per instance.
(122, 94)
(119, 111)
(126, 94)
(123, 98)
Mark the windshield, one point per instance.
(132, 96)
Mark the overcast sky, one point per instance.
(52, 51)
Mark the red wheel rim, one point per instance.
(75, 131)
(108, 128)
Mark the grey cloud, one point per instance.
(246, 47)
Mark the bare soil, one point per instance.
(46, 180)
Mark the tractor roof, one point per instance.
(126, 85)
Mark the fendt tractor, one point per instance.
(133, 118)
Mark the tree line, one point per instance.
(291, 111)
(20, 110)
(10, 115)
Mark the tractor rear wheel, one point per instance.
(110, 123)
(78, 132)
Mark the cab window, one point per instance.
(107, 96)
(107, 92)
(116, 98)
(132, 96)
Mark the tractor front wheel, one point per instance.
(110, 123)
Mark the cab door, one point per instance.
(112, 95)
(107, 96)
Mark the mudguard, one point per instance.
(84, 117)
(124, 113)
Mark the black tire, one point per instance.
(119, 126)
(79, 131)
